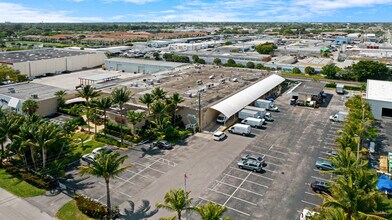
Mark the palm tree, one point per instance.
(346, 162)
(175, 99)
(106, 166)
(29, 107)
(87, 92)
(104, 103)
(147, 99)
(158, 108)
(120, 96)
(60, 98)
(158, 94)
(211, 211)
(176, 200)
(135, 117)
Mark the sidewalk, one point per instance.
(49, 203)
(13, 207)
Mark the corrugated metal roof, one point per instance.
(238, 101)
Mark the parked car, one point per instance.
(105, 149)
(320, 187)
(257, 158)
(218, 136)
(89, 158)
(252, 165)
(331, 153)
(162, 145)
(240, 129)
(306, 214)
(323, 164)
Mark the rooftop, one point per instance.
(379, 90)
(25, 90)
(147, 62)
(309, 88)
(39, 54)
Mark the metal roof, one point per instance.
(99, 77)
(146, 62)
(238, 101)
(309, 88)
(24, 90)
(379, 90)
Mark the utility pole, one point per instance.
(199, 111)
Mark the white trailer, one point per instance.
(261, 103)
(244, 113)
(262, 112)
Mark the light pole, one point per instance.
(199, 112)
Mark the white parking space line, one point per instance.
(236, 210)
(130, 171)
(117, 177)
(331, 139)
(234, 168)
(240, 188)
(319, 178)
(115, 190)
(250, 151)
(162, 160)
(278, 165)
(332, 135)
(258, 184)
(309, 203)
(232, 196)
(280, 152)
(237, 188)
(272, 171)
(312, 194)
(149, 167)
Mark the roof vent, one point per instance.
(34, 96)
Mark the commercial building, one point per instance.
(42, 62)
(140, 65)
(308, 93)
(379, 96)
(12, 97)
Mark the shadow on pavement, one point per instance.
(141, 212)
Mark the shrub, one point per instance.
(330, 85)
(13, 170)
(90, 207)
(115, 127)
(355, 88)
(296, 70)
(79, 121)
(36, 181)
(107, 140)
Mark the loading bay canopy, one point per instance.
(87, 80)
(240, 100)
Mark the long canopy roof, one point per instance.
(238, 101)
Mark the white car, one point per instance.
(218, 136)
(306, 214)
(105, 149)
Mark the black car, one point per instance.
(320, 187)
(162, 145)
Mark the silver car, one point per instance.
(257, 158)
(252, 165)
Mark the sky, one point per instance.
(196, 11)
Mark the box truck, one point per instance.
(261, 103)
(253, 122)
(244, 113)
(240, 129)
(338, 116)
(262, 112)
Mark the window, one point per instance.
(386, 112)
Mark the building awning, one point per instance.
(238, 101)
(13, 103)
(75, 100)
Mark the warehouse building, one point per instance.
(42, 62)
(140, 65)
(308, 93)
(13, 96)
(379, 96)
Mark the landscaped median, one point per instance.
(70, 211)
(18, 186)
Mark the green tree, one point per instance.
(368, 69)
(104, 103)
(259, 66)
(211, 211)
(201, 61)
(29, 107)
(156, 55)
(7, 125)
(250, 65)
(147, 99)
(88, 92)
(330, 71)
(60, 98)
(158, 94)
(121, 96)
(231, 62)
(217, 61)
(175, 99)
(176, 200)
(134, 117)
(228, 43)
(195, 58)
(265, 48)
(310, 70)
(106, 166)
(296, 70)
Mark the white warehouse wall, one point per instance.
(377, 107)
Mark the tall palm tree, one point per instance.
(60, 98)
(29, 107)
(104, 103)
(211, 211)
(88, 92)
(158, 108)
(158, 93)
(147, 99)
(346, 162)
(106, 166)
(176, 200)
(120, 96)
(135, 117)
(175, 99)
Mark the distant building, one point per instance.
(379, 96)
(140, 65)
(42, 62)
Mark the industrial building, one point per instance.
(379, 96)
(140, 65)
(12, 97)
(42, 62)
(308, 93)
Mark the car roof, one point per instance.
(322, 183)
(218, 133)
(253, 162)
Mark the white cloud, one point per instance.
(140, 2)
(339, 4)
(19, 13)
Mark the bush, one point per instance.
(90, 207)
(79, 121)
(355, 88)
(36, 181)
(330, 85)
(107, 140)
(115, 127)
(13, 170)
(296, 70)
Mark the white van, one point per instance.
(240, 129)
(253, 122)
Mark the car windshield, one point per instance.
(165, 142)
(221, 117)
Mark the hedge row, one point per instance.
(30, 178)
(333, 85)
(115, 127)
(107, 140)
(90, 207)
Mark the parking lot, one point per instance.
(291, 145)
